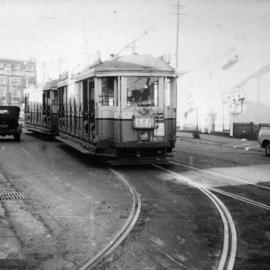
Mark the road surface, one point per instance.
(72, 206)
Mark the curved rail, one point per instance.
(229, 194)
(122, 233)
(227, 257)
(222, 175)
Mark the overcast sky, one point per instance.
(54, 29)
(211, 33)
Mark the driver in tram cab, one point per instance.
(145, 96)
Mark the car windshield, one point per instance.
(9, 111)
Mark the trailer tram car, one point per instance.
(43, 117)
(123, 109)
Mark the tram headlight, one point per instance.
(144, 135)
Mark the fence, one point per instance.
(248, 131)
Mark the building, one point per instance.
(248, 102)
(15, 77)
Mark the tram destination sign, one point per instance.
(144, 122)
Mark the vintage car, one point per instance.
(9, 122)
(264, 139)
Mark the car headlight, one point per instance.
(144, 135)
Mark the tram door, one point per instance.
(45, 108)
(62, 108)
(91, 106)
(89, 109)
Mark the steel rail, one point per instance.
(240, 198)
(122, 234)
(229, 194)
(228, 254)
(229, 177)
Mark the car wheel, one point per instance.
(267, 149)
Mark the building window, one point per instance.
(1, 65)
(16, 67)
(109, 88)
(2, 91)
(16, 81)
(15, 94)
(30, 67)
(3, 80)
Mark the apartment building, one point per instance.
(15, 77)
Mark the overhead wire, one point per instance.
(227, 30)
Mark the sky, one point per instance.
(68, 34)
(65, 31)
(216, 34)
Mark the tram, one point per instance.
(123, 109)
(43, 117)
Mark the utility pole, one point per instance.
(44, 78)
(177, 13)
(60, 63)
(177, 34)
(85, 45)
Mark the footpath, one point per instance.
(221, 141)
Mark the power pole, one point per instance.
(60, 63)
(177, 13)
(177, 34)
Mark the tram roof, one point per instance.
(135, 62)
(129, 64)
(51, 85)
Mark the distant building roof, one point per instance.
(16, 61)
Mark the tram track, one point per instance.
(216, 174)
(230, 194)
(228, 254)
(241, 198)
(122, 234)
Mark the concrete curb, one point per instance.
(219, 144)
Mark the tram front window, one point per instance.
(142, 91)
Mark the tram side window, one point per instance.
(109, 87)
(168, 90)
(142, 91)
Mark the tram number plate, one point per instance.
(144, 123)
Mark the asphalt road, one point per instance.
(181, 229)
(73, 206)
(244, 176)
